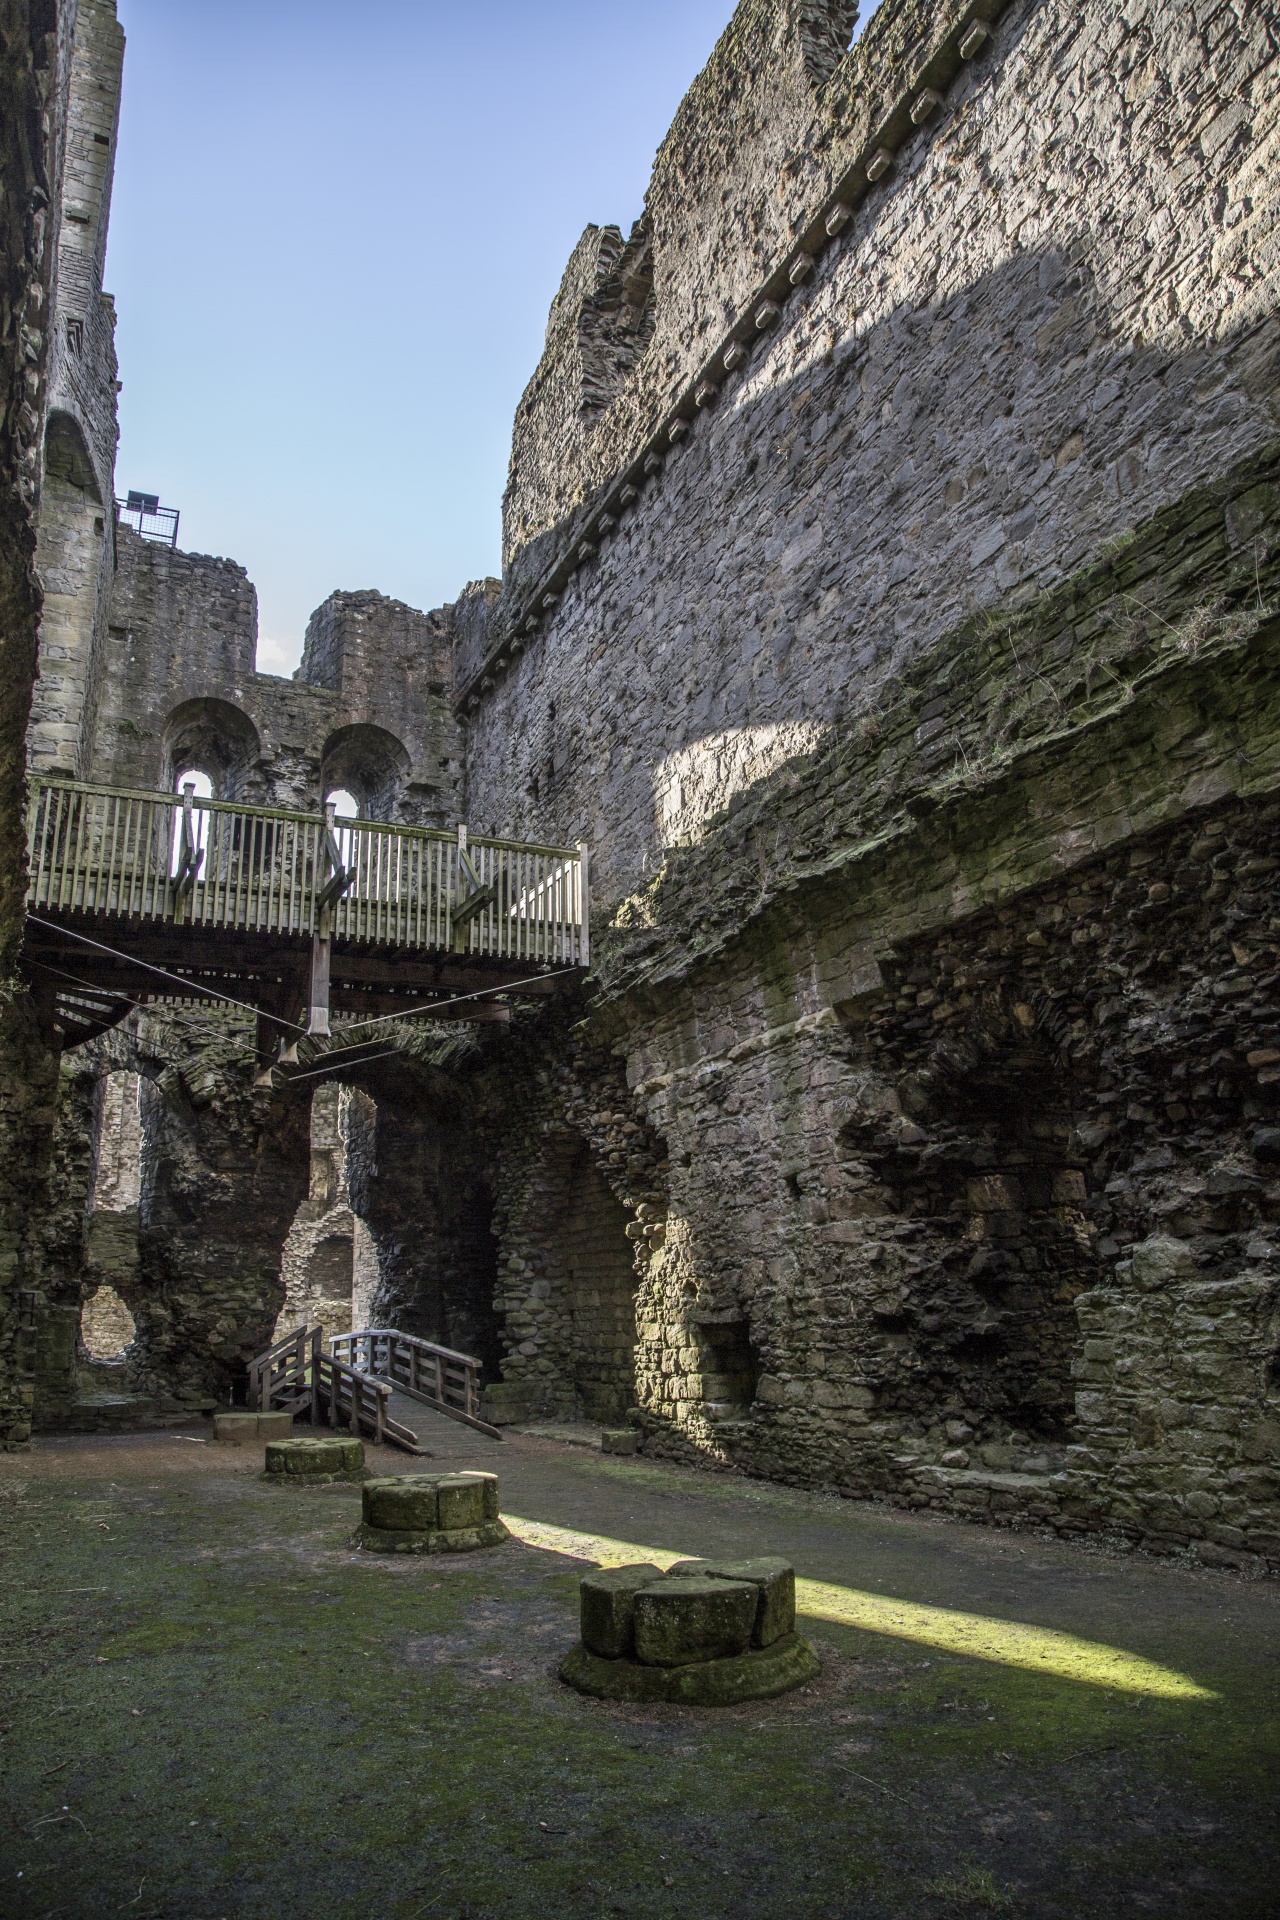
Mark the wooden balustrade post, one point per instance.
(584, 904)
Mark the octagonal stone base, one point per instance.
(759, 1674)
(490, 1533)
(431, 1513)
(314, 1461)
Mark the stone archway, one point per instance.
(107, 1327)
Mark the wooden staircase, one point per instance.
(296, 1376)
(353, 1383)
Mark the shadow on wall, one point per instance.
(897, 479)
(1002, 1250)
(569, 1295)
(431, 1209)
(600, 1289)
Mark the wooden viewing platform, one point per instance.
(137, 896)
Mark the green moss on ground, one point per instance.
(208, 1698)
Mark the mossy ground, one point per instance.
(213, 1708)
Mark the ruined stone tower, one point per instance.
(889, 599)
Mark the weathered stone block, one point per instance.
(688, 1618)
(404, 1502)
(608, 1608)
(619, 1440)
(431, 1513)
(467, 1499)
(332, 1457)
(236, 1429)
(775, 1582)
(759, 1674)
(274, 1426)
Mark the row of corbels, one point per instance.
(763, 313)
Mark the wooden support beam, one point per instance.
(318, 1011)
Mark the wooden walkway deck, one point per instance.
(293, 913)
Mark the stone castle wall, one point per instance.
(367, 710)
(892, 601)
(920, 707)
(964, 403)
(36, 51)
(76, 554)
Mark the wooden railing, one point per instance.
(280, 1378)
(441, 1378)
(212, 863)
(297, 1376)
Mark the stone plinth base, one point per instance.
(756, 1675)
(706, 1633)
(314, 1462)
(242, 1429)
(431, 1513)
(440, 1540)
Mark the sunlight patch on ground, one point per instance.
(1009, 1643)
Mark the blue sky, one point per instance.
(336, 232)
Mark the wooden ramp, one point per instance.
(447, 1381)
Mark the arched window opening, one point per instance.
(107, 1328)
(345, 807)
(369, 766)
(213, 739)
(202, 789)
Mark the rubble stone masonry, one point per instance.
(891, 599)
(35, 59)
(919, 699)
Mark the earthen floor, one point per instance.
(213, 1708)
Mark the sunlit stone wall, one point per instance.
(1049, 320)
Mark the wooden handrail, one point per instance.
(122, 853)
(174, 801)
(438, 1376)
(296, 1376)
